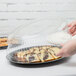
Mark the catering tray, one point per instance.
(11, 56)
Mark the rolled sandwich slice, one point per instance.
(34, 50)
(33, 58)
(54, 51)
(45, 56)
(46, 47)
(21, 56)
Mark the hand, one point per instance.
(68, 49)
(72, 28)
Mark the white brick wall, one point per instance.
(16, 12)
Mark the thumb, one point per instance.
(60, 54)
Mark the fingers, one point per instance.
(63, 53)
(72, 30)
(74, 33)
(69, 25)
(60, 54)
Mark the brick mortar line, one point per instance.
(33, 2)
(30, 19)
(42, 11)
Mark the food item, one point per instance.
(37, 54)
(54, 51)
(13, 41)
(20, 56)
(3, 42)
(33, 58)
(59, 37)
(3, 39)
(45, 56)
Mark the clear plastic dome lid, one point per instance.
(35, 33)
(26, 43)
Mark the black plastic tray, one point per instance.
(12, 59)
